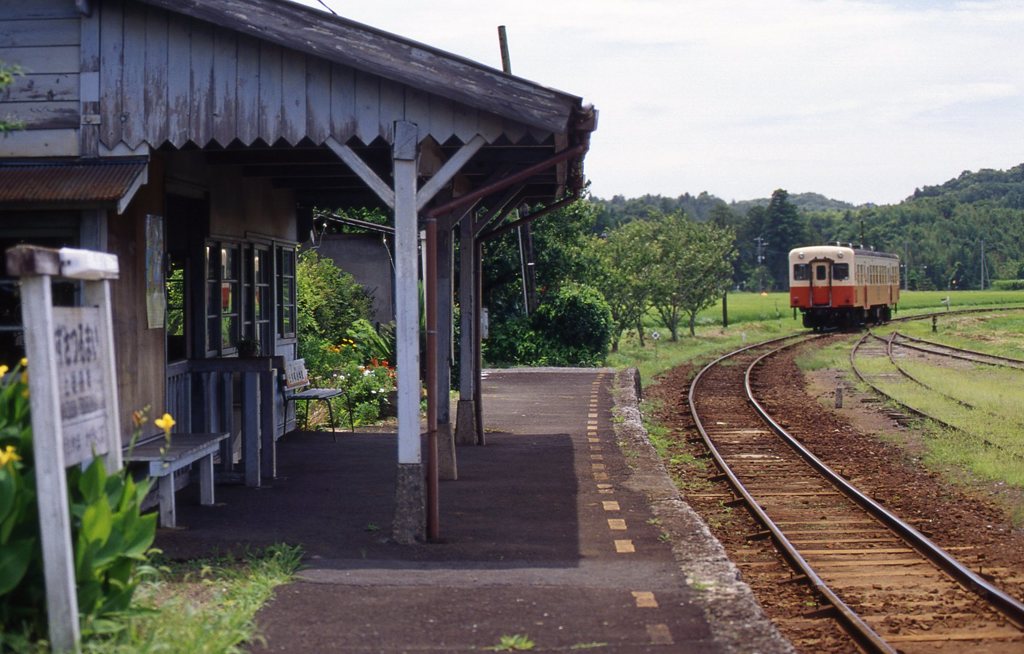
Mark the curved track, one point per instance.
(860, 346)
(939, 349)
(891, 588)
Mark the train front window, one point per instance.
(840, 271)
(821, 273)
(801, 272)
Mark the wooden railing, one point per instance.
(201, 396)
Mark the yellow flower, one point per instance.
(9, 454)
(24, 362)
(165, 423)
(3, 370)
(139, 418)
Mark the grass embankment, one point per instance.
(202, 606)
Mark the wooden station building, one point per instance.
(193, 138)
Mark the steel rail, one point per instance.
(1009, 606)
(889, 342)
(959, 352)
(917, 412)
(855, 625)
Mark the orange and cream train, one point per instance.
(835, 286)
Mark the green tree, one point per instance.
(692, 267)
(329, 303)
(622, 260)
(784, 228)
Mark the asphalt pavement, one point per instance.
(563, 530)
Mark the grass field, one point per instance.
(749, 307)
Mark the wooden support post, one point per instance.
(409, 522)
(250, 430)
(51, 483)
(478, 283)
(205, 480)
(448, 465)
(465, 425)
(165, 491)
(268, 443)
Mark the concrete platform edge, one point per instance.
(737, 621)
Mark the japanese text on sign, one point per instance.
(83, 413)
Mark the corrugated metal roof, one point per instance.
(71, 184)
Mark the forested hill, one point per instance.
(700, 207)
(948, 235)
(1004, 188)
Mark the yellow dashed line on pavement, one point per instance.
(610, 505)
(616, 524)
(624, 546)
(659, 634)
(645, 599)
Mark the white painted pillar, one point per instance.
(406, 295)
(410, 515)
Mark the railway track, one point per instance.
(882, 347)
(939, 349)
(890, 588)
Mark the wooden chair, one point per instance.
(296, 377)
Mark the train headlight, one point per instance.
(800, 255)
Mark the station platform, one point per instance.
(563, 529)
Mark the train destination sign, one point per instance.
(83, 385)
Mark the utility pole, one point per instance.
(983, 271)
(761, 244)
(524, 233)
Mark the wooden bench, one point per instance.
(164, 461)
(297, 377)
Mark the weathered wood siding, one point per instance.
(140, 353)
(165, 77)
(43, 38)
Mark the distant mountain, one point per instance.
(1003, 188)
(803, 201)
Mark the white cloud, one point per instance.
(861, 100)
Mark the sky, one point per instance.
(859, 100)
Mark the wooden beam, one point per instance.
(448, 171)
(365, 173)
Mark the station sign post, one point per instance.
(73, 398)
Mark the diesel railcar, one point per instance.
(836, 286)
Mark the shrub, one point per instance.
(572, 328)
(110, 537)
(576, 324)
(1008, 284)
(329, 302)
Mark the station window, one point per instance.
(286, 296)
(223, 297)
(801, 272)
(840, 271)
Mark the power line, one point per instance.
(326, 7)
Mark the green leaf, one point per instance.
(97, 522)
(139, 535)
(14, 560)
(92, 481)
(8, 487)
